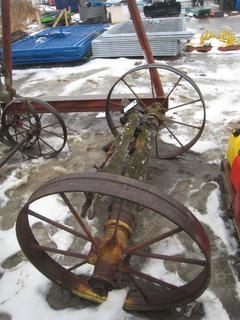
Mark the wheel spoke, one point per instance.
(40, 116)
(15, 130)
(152, 86)
(184, 124)
(137, 97)
(27, 127)
(20, 133)
(77, 265)
(47, 144)
(49, 125)
(77, 217)
(171, 258)
(147, 243)
(170, 131)
(59, 251)
(174, 87)
(117, 220)
(138, 287)
(39, 147)
(26, 118)
(184, 104)
(52, 133)
(58, 225)
(149, 278)
(29, 116)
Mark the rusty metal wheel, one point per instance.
(44, 131)
(164, 263)
(183, 106)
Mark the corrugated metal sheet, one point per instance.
(60, 44)
(165, 36)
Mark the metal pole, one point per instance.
(143, 40)
(6, 39)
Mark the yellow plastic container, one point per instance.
(233, 145)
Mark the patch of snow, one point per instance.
(155, 267)
(62, 239)
(213, 219)
(26, 282)
(9, 244)
(14, 180)
(213, 307)
(101, 115)
(202, 146)
(50, 206)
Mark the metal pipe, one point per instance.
(143, 40)
(6, 39)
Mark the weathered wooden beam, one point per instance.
(133, 147)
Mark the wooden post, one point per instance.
(66, 17)
(58, 18)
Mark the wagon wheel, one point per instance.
(37, 122)
(165, 266)
(182, 106)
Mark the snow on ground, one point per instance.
(215, 214)
(213, 307)
(219, 82)
(25, 282)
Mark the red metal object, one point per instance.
(84, 103)
(162, 109)
(143, 40)
(146, 291)
(231, 196)
(199, 49)
(237, 210)
(30, 133)
(6, 38)
(230, 47)
(235, 173)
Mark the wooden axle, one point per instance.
(131, 153)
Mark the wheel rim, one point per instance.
(147, 291)
(185, 113)
(46, 138)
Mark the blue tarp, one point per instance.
(65, 4)
(60, 44)
(237, 5)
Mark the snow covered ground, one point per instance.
(23, 289)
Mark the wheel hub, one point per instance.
(157, 110)
(110, 251)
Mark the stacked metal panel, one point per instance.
(165, 36)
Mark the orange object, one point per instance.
(235, 173)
